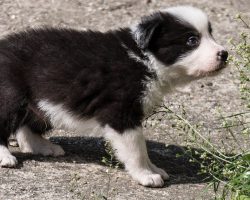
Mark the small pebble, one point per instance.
(13, 17)
(209, 84)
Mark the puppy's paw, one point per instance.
(45, 148)
(151, 180)
(36, 144)
(57, 150)
(8, 161)
(50, 149)
(158, 170)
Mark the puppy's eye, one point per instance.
(193, 41)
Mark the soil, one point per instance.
(80, 174)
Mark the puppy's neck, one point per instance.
(167, 79)
(163, 79)
(157, 86)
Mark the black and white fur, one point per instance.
(101, 84)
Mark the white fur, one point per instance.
(130, 148)
(60, 117)
(193, 16)
(203, 60)
(6, 159)
(136, 31)
(133, 56)
(36, 144)
(168, 78)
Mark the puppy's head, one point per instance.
(180, 38)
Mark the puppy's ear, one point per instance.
(145, 29)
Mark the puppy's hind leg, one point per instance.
(34, 143)
(130, 148)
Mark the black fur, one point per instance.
(89, 72)
(210, 29)
(169, 40)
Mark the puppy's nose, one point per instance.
(222, 55)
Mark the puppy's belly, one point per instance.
(62, 118)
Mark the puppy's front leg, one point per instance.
(130, 148)
(6, 159)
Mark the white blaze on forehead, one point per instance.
(193, 16)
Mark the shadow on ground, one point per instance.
(92, 150)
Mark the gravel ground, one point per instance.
(80, 174)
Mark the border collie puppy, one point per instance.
(101, 84)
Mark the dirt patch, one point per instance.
(80, 174)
